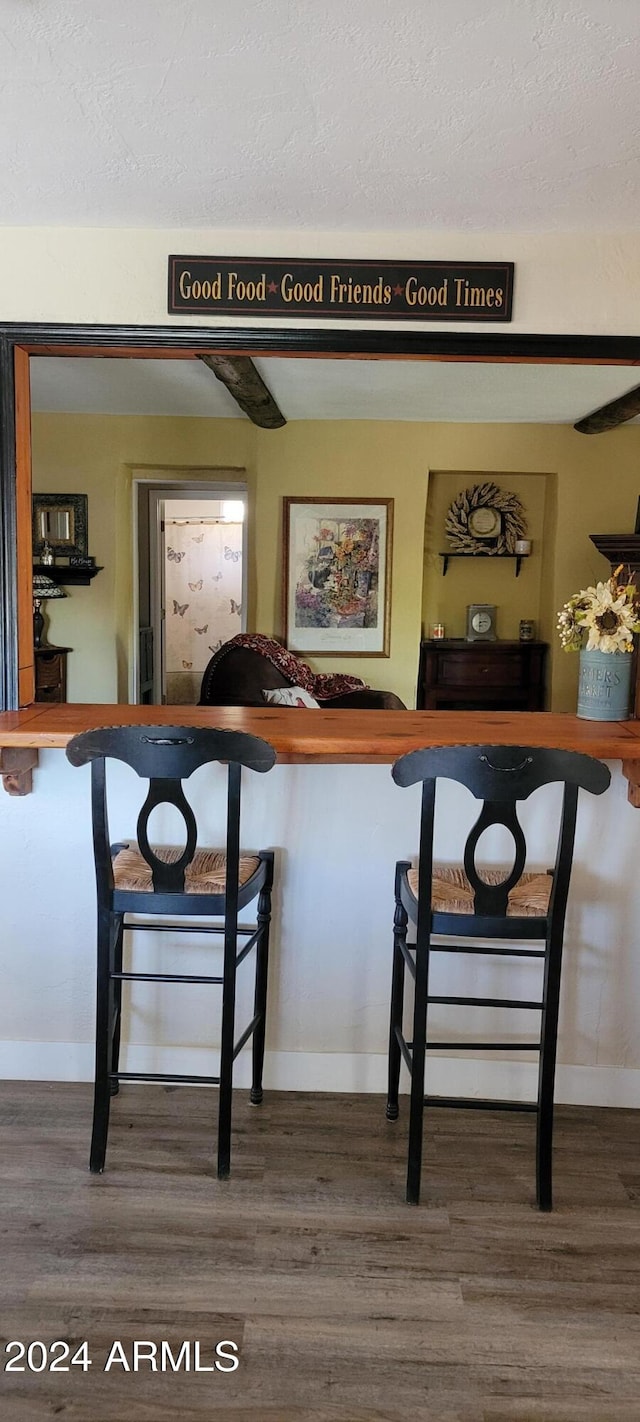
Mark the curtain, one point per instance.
(203, 600)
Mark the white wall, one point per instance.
(338, 831)
(564, 282)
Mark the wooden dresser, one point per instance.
(456, 675)
(51, 673)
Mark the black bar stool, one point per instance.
(495, 904)
(137, 879)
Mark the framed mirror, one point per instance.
(61, 521)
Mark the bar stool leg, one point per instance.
(226, 1055)
(418, 1054)
(400, 922)
(116, 1028)
(107, 930)
(262, 968)
(547, 1071)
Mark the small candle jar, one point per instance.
(523, 547)
(527, 630)
(437, 631)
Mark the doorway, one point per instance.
(191, 578)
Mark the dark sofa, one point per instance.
(240, 677)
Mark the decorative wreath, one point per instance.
(513, 520)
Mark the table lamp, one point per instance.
(43, 589)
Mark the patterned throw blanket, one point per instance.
(322, 685)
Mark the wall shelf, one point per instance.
(65, 576)
(518, 558)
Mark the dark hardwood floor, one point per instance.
(346, 1304)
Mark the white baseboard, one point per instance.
(333, 1071)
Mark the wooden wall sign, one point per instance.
(278, 286)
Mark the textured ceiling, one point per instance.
(79, 386)
(334, 389)
(311, 114)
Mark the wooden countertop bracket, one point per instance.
(16, 766)
(631, 772)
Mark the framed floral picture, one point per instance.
(337, 576)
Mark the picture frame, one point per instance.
(337, 557)
(61, 521)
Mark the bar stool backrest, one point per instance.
(500, 776)
(165, 756)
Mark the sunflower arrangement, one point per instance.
(607, 615)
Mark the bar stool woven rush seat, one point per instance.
(492, 904)
(173, 882)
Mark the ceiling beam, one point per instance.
(249, 391)
(608, 417)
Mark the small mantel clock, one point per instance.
(481, 622)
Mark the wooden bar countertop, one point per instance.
(334, 737)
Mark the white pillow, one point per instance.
(289, 696)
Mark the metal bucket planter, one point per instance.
(604, 687)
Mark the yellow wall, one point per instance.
(344, 458)
(593, 489)
(95, 454)
(591, 485)
(481, 579)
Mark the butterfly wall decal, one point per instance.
(217, 646)
(195, 587)
(200, 630)
(173, 556)
(215, 577)
(233, 553)
(235, 606)
(179, 608)
(187, 665)
(197, 539)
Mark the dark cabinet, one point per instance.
(51, 673)
(456, 675)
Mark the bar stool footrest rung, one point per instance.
(476, 1103)
(175, 1078)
